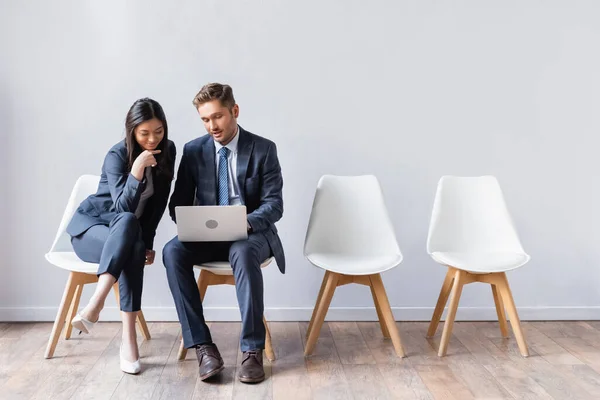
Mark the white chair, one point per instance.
(351, 237)
(221, 273)
(471, 232)
(81, 273)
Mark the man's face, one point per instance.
(219, 121)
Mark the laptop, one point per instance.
(211, 223)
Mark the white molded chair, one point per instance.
(221, 273)
(472, 233)
(63, 256)
(351, 237)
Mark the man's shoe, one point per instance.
(209, 360)
(252, 370)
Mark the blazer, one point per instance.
(259, 179)
(118, 192)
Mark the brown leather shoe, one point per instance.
(252, 367)
(209, 360)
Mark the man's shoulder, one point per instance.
(262, 142)
(197, 144)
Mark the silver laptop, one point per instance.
(211, 223)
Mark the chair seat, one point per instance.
(354, 265)
(68, 260)
(482, 262)
(224, 267)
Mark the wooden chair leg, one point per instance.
(203, 283)
(268, 344)
(321, 312)
(382, 325)
(143, 326)
(506, 296)
(182, 352)
(459, 279)
(441, 303)
(319, 297)
(500, 311)
(61, 316)
(386, 311)
(117, 294)
(73, 311)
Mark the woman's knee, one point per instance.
(127, 222)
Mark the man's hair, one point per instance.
(215, 91)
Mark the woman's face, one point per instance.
(149, 134)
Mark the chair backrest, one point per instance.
(470, 215)
(85, 185)
(349, 217)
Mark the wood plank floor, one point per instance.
(351, 360)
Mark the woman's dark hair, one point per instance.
(141, 111)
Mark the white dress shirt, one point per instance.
(234, 189)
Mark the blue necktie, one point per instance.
(223, 178)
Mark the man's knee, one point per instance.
(172, 252)
(243, 255)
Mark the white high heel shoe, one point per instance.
(128, 366)
(82, 324)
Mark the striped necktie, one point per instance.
(223, 178)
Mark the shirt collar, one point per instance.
(233, 145)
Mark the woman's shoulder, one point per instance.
(170, 148)
(119, 148)
(117, 154)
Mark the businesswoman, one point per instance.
(116, 226)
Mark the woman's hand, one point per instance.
(145, 159)
(150, 256)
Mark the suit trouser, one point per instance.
(245, 257)
(120, 251)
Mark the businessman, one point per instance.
(228, 166)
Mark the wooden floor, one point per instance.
(351, 360)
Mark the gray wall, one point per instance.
(408, 91)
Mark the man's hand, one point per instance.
(150, 256)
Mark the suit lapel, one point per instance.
(245, 145)
(210, 184)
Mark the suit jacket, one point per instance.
(259, 179)
(118, 192)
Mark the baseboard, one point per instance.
(19, 314)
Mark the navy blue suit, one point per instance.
(104, 229)
(260, 182)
